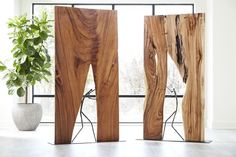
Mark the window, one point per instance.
(131, 69)
(173, 9)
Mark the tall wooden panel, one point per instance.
(185, 40)
(184, 37)
(155, 61)
(84, 37)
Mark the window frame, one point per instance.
(113, 6)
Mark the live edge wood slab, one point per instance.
(182, 37)
(86, 37)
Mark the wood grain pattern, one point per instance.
(184, 37)
(155, 61)
(84, 37)
(186, 47)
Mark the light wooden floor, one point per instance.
(35, 144)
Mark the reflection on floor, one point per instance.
(35, 144)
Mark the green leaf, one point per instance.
(25, 68)
(45, 78)
(44, 16)
(11, 23)
(17, 82)
(10, 91)
(31, 79)
(5, 76)
(35, 69)
(33, 82)
(23, 59)
(18, 54)
(9, 84)
(37, 40)
(42, 56)
(39, 60)
(43, 35)
(14, 48)
(18, 68)
(36, 64)
(46, 72)
(47, 65)
(23, 19)
(13, 76)
(2, 66)
(37, 76)
(20, 92)
(34, 27)
(51, 36)
(26, 43)
(20, 39)
(30, 50)
(48, 58)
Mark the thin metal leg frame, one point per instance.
(172, 115)
(83, 114)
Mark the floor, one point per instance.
(36, 144)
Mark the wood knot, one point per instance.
(58, 79)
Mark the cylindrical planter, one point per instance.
(27, 116)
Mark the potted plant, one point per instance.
(31, 64)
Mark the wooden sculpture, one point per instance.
(155, 61)
(84, 37)
(182, 36)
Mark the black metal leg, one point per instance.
(81, 118)
(172, 115)
(83, 114)
(91, 126)
(175, 112)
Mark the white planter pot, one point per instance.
(27, 116)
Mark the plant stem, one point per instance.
(26, 94)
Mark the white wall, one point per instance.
(208, 64)
(8, 10)
(224, 66)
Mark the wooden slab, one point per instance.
(84, 37)
(155, 65)
(184, 37)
